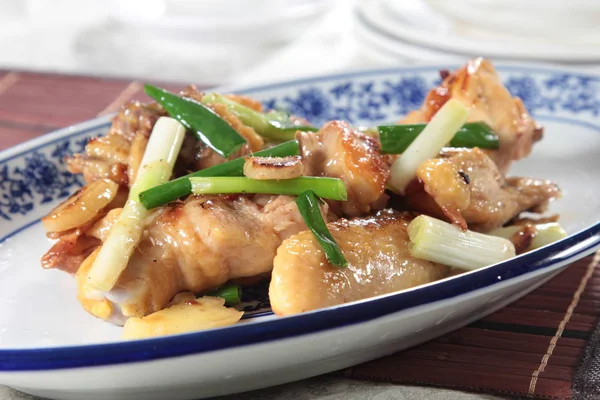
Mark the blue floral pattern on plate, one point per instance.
(40, 176)
(370, 101)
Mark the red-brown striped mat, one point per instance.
(33, 104)
(531, 348)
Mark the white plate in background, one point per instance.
(416, 23)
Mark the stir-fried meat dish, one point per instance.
(198, 195)
(379, 262)
(478, 86)
(465, 187)
(117, 155)
(196, 245)
(338, 151)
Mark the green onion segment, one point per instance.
(156, 167)
(273, 125)
(231, 293)
(438, 132)
(209, 127)
(328, 188)
(434, 240)
(395, 139)
(308, 205)
(180, 187)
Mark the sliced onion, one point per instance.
(81, 207)
(265, 168)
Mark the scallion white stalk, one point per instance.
(437, 134)
(544, 234)
(156, 168)
(438, 241)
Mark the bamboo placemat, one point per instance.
(32, 104)
(531, 348)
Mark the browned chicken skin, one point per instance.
(109, 156)
(379, 262)
(478, 86)
(117, 155)
(69, 251)
(205, 241)
(197, 245)
(339, 151)
(465, 187)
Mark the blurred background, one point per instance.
(249, 41)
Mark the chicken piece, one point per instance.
(69, 251)
(94, 168)
(465, 187)
(117, 155)
(135, 118)
(194, 246)
(303, 280)
(479, 87)
(339, 151)
(107, 157)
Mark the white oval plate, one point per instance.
(50, 347)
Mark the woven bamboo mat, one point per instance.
(531, 348)
(32, 104)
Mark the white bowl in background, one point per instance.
(235, 22)
(565, 21)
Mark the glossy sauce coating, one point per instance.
(379, 262)
(487, 201)
(200, 244)
(339, 151)
(478, 86)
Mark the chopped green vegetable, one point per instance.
(156, 167)
(274, 125)
(395, 139)
(231, 293)
(308, 205)
(476, 134)
(438, 241)
(170, 191)
(210, 128)
(328, 188)
(439, 131)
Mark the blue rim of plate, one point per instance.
(53, 358)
